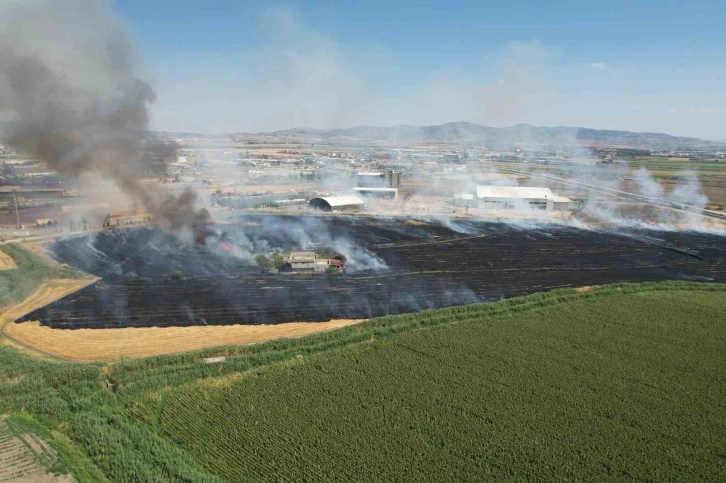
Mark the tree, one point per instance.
(278, 260)
(264, 262)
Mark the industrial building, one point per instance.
(379, 179)
(515, 197)
(337, 203)
(292, 202)
(387, 193)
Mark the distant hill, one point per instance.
(519, 134)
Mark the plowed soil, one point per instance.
(22, 457)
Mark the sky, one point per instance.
(235, 66)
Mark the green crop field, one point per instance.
(678, 164)
(623, 382)
(607, 388)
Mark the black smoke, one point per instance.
(72, 95)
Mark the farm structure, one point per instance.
(337, 203)
(311, 263)
(120, 218)
(405, 270)
(513, 197)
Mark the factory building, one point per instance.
(379, 179)
(516, 197)
(337, 203)
(386, 193)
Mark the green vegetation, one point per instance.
(74, 400)
(69, 458)
(672, 165)
(618, 382)
(32, 270)
(623, 387)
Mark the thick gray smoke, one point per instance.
(72, 96)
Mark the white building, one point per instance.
(337, 203)
(519, 197)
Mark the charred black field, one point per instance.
(151, 278)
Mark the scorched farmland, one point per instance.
(151, 278)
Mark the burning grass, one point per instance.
(392, 267)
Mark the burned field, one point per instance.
(154, 279)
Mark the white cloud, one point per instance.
(597, 65)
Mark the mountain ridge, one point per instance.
(517, 134)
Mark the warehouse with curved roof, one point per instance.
(337, 203)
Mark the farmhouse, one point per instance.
(309, 262)
(302, 261)
(120, 218)
(517, 197)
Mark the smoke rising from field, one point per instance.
(71, 89)
(687, 193)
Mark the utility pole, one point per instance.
(15, 200)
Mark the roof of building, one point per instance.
(561, 199)
(137, 212)
(334, 201)
(302, 257)
(376, 173)
(521, 192)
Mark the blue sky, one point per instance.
(223, 66)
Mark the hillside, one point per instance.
(520, 134)
(610, 383)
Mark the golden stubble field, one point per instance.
(7, 262)
(114, 344)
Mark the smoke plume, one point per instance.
(70, 87)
